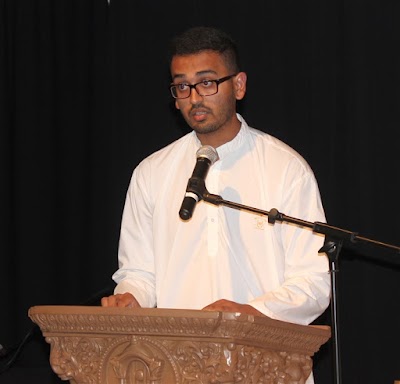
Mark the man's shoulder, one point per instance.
(277, 149)
(272, 141)
(169, 152)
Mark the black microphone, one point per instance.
(206, 156)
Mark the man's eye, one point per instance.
(206, 83)
(182, 87)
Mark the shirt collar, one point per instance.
(231, 146)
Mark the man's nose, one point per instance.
(194, 96)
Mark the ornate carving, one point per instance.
(208, 362)
(139, 360)
(94, 345)
(77, 358)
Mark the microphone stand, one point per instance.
(334, 239)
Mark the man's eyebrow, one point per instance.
(200, 73)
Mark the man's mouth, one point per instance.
(199, 115)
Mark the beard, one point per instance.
(212, 122)
(205, 128)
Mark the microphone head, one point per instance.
(208, 152)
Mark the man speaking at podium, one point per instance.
(218, 258)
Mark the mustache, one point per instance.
(199, 107)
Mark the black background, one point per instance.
(84, 97)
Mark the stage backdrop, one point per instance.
(84, 97)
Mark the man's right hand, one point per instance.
(120, 300)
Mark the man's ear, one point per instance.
(240, 85)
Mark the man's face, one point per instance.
(206, 114)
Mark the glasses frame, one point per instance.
(193, 86)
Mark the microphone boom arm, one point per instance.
(334, 239)
(318, 227)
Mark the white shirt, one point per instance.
(221, 252)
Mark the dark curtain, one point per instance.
(84, 97)
(58, 233)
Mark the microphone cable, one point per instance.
(9, 355)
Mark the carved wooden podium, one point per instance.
(96, 345)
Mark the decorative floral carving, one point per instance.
(77, 358)
(208, 362)
(94, 345)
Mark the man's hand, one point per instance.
(231, 306)
(120, 300)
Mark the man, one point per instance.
(221, 259)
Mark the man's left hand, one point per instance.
(231, 306)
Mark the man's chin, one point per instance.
(203, 129)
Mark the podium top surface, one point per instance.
(181, 323)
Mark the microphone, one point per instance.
(206, 156)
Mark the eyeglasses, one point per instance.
(203, 88)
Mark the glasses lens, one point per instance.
(180, 91)
(207, 88)
(204, 88)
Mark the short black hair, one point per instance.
(201, 38)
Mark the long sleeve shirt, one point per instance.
(222, 252)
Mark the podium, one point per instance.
(103, 345)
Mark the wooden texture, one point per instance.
(124, 346)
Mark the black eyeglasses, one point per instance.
(203, 88)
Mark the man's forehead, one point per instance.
(205, 62)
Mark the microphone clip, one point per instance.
(196, 186)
